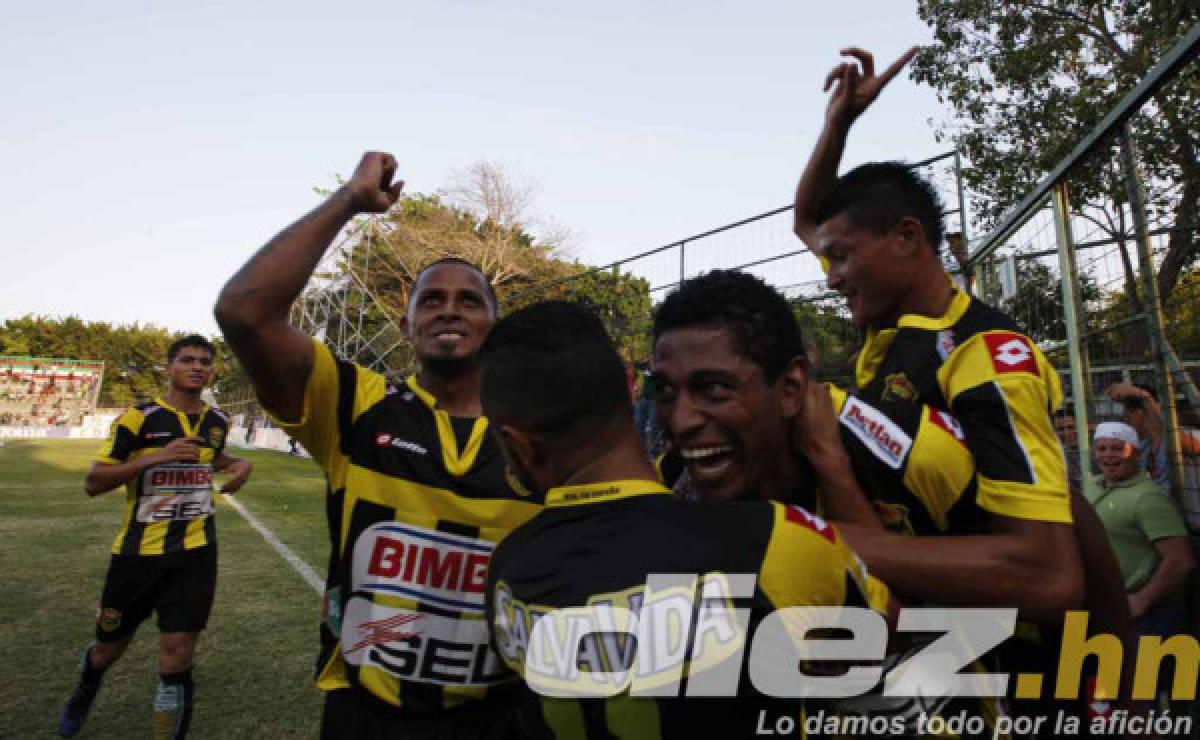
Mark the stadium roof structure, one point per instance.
(339, 308)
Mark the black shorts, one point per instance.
(179, 587)
(353, 714)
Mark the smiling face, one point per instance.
(727, 422)
(1118, 460)
(449, 314)
(191, 370)
(865, 269)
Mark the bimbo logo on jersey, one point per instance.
(176, 492)
(394, 560)
(880, 434)
(187, 477)
(444, 569)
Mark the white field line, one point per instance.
(305, 570)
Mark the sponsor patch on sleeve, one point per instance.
(948, 423)
(1011, 353)
(882, 436)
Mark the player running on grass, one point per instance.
(165, 557)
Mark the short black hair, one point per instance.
(487, 282)
(876, 195)
(758, 317)
(552, 368)
(191, 340)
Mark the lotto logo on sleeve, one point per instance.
(1011, 353)
(948, 423)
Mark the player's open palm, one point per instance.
(855, 84)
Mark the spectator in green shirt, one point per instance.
(1145, 529)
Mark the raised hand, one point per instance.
(855, 88)
(371, 187)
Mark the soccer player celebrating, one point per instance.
(877, 229)
(554, 388)
(165, 557)
(417, 490)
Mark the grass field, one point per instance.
(253, 672)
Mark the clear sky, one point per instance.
(148, 148)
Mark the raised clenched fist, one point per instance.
(370, 187)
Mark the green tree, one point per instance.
(484, 218)
(1037, 302)
(134, 356)
(1028, 78)
(832, 340)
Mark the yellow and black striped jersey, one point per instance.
(912, 462)
(597, 544)
(417, 501)
(975, 363)
(168, 507)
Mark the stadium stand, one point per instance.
(47, 392)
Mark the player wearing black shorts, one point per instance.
(165, 557)
(554, 388)
(417, 489)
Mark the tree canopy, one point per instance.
(134, 355)
(1028, 78)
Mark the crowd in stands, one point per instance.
(34, 393)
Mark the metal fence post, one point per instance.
(1081, 385)
(973, 278)
(682, 249)
(1152, 303)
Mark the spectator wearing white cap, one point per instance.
(1145, 529)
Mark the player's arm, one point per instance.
(1126, 392)
(1175, 563)
(1104, 597)
(854, 89)
(1018, 564)
(1159, 521)
(105, 476)
(1001, 389)
(239, 469)
(253, 307)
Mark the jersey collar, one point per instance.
(599, 493)
(457, 461)
(879, 340)
(189, 429)
(958, 306)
